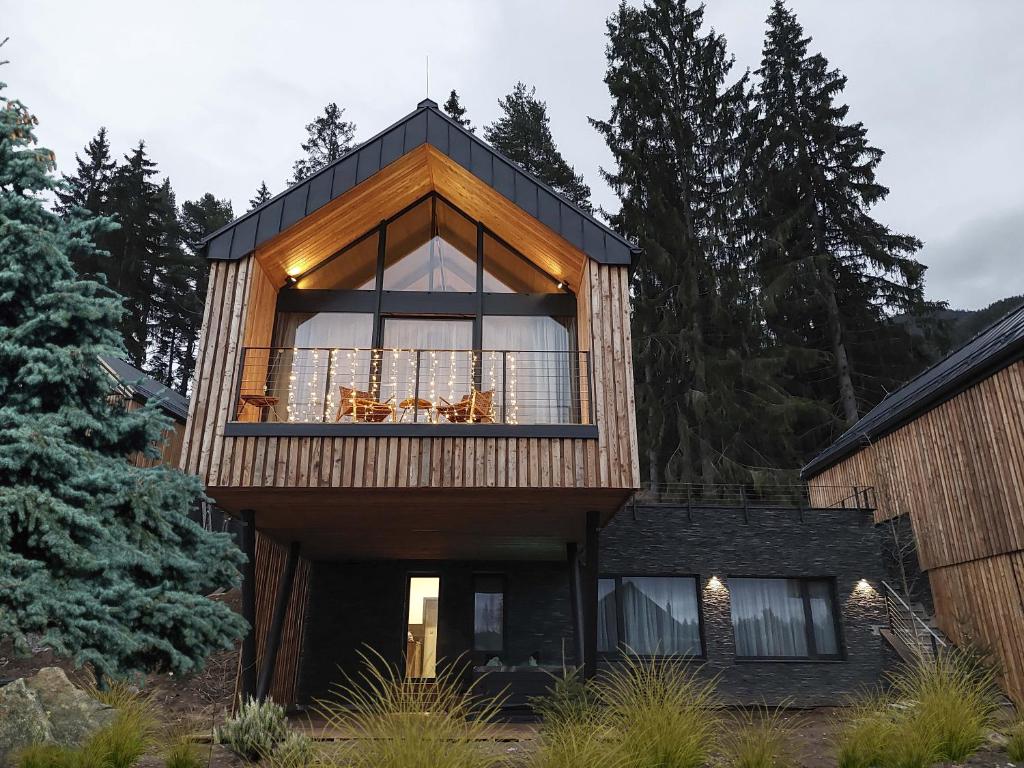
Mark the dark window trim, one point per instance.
(813, 655)
(620, 624)
(481, 654)
(390, 429)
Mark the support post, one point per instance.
(284, 593)
(589, 591)
(575, 601)
(248, 536)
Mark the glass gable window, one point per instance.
(489, 613)
(505, 271)
(354, 269)
(653, 615)
(783, 618)
(431, 248)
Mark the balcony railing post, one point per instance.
(504, 389)
(241, 386)
(416, 390)
(327, 385)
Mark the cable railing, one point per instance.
(321, 385)
(738, 495)
(910, 628)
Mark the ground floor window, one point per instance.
(784, 618)
(649, 615)
(489, 613)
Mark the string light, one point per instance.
(451, 377)
(332, 364)
(352, 381)
(514, 417)
(394, 381)
(312, 401)
(291, 386)
(433, 380)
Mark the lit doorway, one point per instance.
(421, 628)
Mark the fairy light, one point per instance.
(394, 381)
(352, 353)
(514, 417)
(410, 384)
(292, 385)
(311, 398)
(433, 378)
(451, 377)
(491, 373)
(332, 364)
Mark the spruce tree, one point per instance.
(831, 276)
(261, 196)
(89, 190)
(328, 138)
(523, 134)
(456, 111)
(98, 558)
(705, 396)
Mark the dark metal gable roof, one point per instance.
(999, 345)
(146, 387)
(427, 125)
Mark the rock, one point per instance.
(23, 720)
(73, 714)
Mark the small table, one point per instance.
(256, 401)
(413, 403)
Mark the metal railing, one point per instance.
(799, 496)
(413, 386)
(910, 628)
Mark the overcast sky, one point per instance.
(220, 92)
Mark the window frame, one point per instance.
(482, 656)
(423, 303)
(812, 649)
(621, 649)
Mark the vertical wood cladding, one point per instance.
(958, 472)
(270, 561)
(239, 311)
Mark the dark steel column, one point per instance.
(284, 593)
(575, 600)
(590, 576)
(248, 682)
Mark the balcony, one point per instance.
(414, 391)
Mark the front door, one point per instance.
(421, 627)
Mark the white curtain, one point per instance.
(768, 617)
(659, 615)
(538, 368)
(444, 364)
(823, 619)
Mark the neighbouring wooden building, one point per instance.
(947, 452)
(415, 388)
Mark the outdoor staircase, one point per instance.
(911, 631)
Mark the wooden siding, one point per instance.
(958, 472)
(270, 560)
(170, 445)
(236, 310)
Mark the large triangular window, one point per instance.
(431, 248)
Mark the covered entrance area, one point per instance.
(500, 581)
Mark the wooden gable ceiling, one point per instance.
(323, 233)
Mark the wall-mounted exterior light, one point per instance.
(864, 588)
(715, 584)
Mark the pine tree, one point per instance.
(198, 219)
(90, 189)
(261, 196)
(329, 137)
(830, 275)
(702, 381)
(97, 557)
(457, 112)
(523, 134)
(171, 323)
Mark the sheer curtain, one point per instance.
(444, 367)
(823, 620)
(538, 381)
(660, 616)
(768, 617)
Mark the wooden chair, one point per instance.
(475, 408)
(362, 406)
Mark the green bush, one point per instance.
(569, 700)
(864, 734)
(183, 753)
(1015, 742)
(255, 730)
(955, 695)
(915, 743)
(659, 712)
(579, 741)
(296, 751)
(406, 724)
(759, 739)
(45, 756)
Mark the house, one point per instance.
(415, 388)
(945, 455)
(134, 389)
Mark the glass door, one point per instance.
(421, 628)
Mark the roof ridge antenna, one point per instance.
(428, 76)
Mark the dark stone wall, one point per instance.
(358, 606)
(836, 544)
(354, 606)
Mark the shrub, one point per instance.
(914, 743)
(45, 756)
(864, 735)
(183, 753)
(255, 730)
(580, 741)
(955, 695)
(659, 712)
(569, 700)
(759, 739)
(405, 724)
(1015, 742)
(296, 751)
